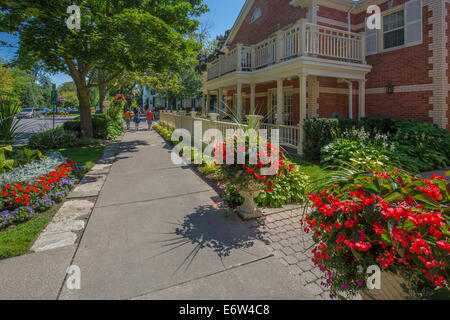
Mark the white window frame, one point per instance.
(380, 33)
(256, 15)
(383, 32)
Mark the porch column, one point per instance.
(208, 103)
(239, 100)
(252, 98)
(362, 99)
(302, 112)
(280, 105)
(203, 103)
(219, 102)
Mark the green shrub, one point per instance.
(289, 188)
(104, 127)
(54, 139)
(421, 145)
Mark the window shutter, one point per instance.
(371, 40)
(413, 22)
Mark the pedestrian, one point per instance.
(149, 117)
(136, 118)
(127, 118)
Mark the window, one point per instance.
(256, 14)
(394, 30)
(288, 108)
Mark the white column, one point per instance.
(280, 100)
(239, 100)
(302, 112)
(203, 103)
(219, 102)
(239, 57)
(350, 100)
(252, 98)
(362, 98)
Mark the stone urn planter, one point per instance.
(213, 116)
(254, 120)
(249, 210)
(193, 114)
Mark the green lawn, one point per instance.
(17, 241)
(84, 156)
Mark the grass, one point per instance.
(84, 156)
(17, 241)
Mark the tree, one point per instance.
(115, 36)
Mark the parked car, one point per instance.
(44, 111)
(27, 113)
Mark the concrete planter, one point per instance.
(213, 116)
(248, 210)
(392, 288)
(254, 120)
(193, 114)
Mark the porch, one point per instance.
(290, 136)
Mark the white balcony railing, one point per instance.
(302, 39)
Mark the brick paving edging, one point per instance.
(288, 242)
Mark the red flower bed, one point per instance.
(18, 194)
(389, 219)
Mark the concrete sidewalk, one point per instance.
(156, 232)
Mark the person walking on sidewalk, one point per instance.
(127, 118)
(149, 117)
(136, 117)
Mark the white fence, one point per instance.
(302, 39)
(289, 136)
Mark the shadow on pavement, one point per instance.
(208, 227)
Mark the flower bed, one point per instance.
(22, 201)
(389, 219)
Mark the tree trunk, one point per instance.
(85, 112)
(102, 92)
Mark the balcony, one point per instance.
(301, 40)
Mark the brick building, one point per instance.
(295, 59)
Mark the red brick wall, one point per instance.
(274, 12)
(407, 66)
(405, 105)
(448, 62)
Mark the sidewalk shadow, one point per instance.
(121, 147)
(208, 227)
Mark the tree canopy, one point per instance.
(115, 36)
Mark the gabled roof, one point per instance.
(249, 4)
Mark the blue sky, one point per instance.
(221, 16)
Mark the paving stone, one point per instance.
(285, 243)
(307, 275)
(278, 254)
(274, 238)
(294, 269)
(290, 260)
(288, 251)
(279, 223)
(315, 289)
(304, 265)
(284, 236)
(301, 256)
(89, 186)
(289, 227)
(276, 246)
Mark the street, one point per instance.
(29, 127)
